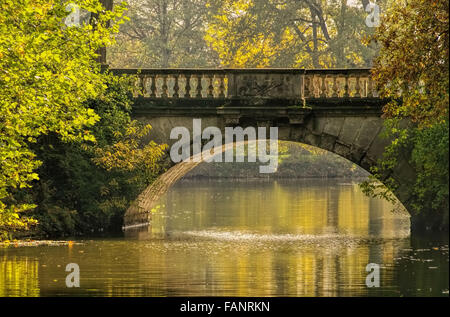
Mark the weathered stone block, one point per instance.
(356, 154)
(263, 83)
(284, 133)
(368, 131)
(309, 123)
(378, 146)
(334, 126)
(319, 124)
(311, 139)
(350, 129)
(327, 142)
(297, 134)
(342, 150)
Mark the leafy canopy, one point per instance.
(47, 71)
(291, 33)
(87, 187)
(413, 63)
(413, 71)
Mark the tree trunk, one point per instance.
(108, 5)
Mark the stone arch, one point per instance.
(357, 139)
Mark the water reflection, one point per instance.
(296, 207)
(307, 238)
(244, 239)
(18, 276)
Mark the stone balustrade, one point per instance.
(216, 84)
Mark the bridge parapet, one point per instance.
(338, 83)
(228, 84)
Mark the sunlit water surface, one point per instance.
(228, 238)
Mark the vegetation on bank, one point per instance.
(86, 187)
(68, 149)
(413, 70)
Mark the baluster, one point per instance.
(164, 93)
(312, 92)
(187, 90)
(199, 86)
(323, 86)
(143, 81)
(211, 86)
(335, 87)
(317, 86)
(363, 87)
(176, 87)
(221, 86)
(346, 87)
(312, 86)
(306, 84)
(153, 86)
(358, 87)
(370, 88)
(136, 87)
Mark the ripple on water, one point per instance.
(249, 236)
(233, 239)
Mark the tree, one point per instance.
(413, 71)
(164, 33)
(290, 33)
(87, 187)
(47, 72)
(413, 61)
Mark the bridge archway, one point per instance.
(364, 156)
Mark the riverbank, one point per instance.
(36, 243)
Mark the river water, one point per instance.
(252, 238)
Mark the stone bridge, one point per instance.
(337, 110)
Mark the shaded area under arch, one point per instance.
(139, 212)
